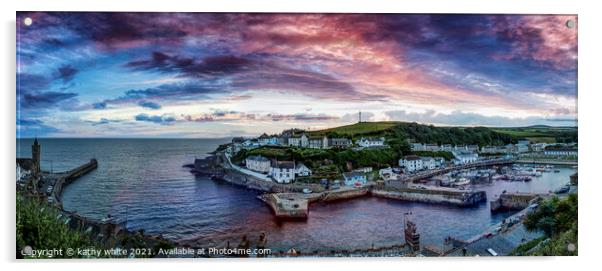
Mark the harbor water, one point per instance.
(142, 182)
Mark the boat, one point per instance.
(108, 218)
(307, 191)
(461, 182)
(565, 188)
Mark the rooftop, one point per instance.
(257, 158)
(283, 164)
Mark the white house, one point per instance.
(524, 142)
(439, 161)
(354, 178)
(411, 163)
(494, 149)
(446, 147)
(560, 151)
(418, 147)
(283, 172)
(465, 157)
(364, 169)
(336, 142)
(302, 170)
(299, 141)
(250, 144)
(522, 148)
(263, 139)
(538, 147)
(384, 172)
(315, 142)
(432, 147)
(371, 142)
(258, 163)
(428, 163)
(472, 148)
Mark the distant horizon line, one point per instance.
(231, 136)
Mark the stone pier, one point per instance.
(512, 201)
(438, 195)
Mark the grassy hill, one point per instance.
(393, 130)
(362, 128)
(542, 133)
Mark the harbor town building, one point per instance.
(411, 163)
(368, 142)
(258, 163)
(282, 171)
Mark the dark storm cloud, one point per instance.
(496, 61)
(214, 65)
(159, 119)
(176, 91)
(103, 121)
(27, 82)
(31, 92)
(99, 105)
(244, 74)
(66, 73)
(225, 116)
(44, 99)
(301, 117)
(150, 105)
(29, 122)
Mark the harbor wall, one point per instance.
(431, 196)
(248, 181)
(512, 201)
(70, 176)
(343, 194)
(287, 207)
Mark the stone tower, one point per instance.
(35, 156)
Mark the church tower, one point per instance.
(35, 156)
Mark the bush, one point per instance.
(38, 227)
(557, 219)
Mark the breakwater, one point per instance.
(512, 201)
(296, 205)
(109, 232)
(68, 177)
(439, 196)
(237, 178)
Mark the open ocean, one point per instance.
(143, 181)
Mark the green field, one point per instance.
(542, 133)
(453, 135)
(358, 128)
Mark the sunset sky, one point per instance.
(218, 75)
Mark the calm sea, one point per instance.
(143, 181)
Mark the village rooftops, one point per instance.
(257, 158)
(283, 164)
(411, 157)
(349, 175)
(373, 138)
(238, 139)
(560, 148)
